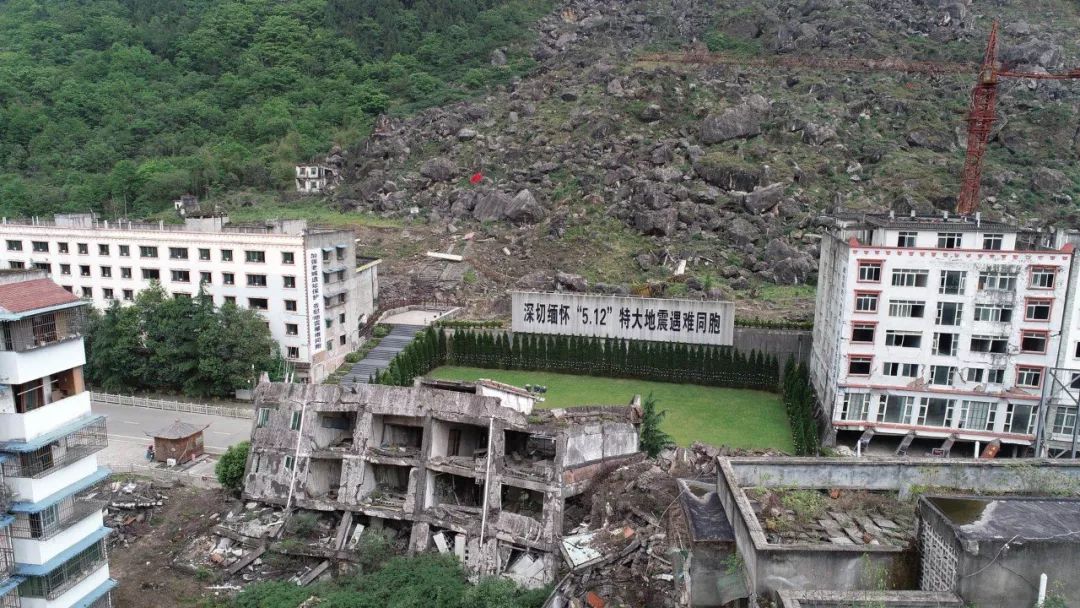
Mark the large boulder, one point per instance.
(788, 265)
(524, 209)
(491, 206)
(656, 223)
(438, 169)
(727, 173)
(1048, 181)
(741, 232)
(817, 134)
(744, 120)
(565, 281)
(1032, 53)
(763, 199)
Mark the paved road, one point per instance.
(127, 427)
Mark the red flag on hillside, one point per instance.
(476, 178)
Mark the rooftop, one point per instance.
(178, 430)
(954, 223)
(1010, 518)
(194, 223)
(31, 295)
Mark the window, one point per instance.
(181, 276)
(909, 278)
(146, 251)
(952, 282)
(178, 253)
(84, 271)
(994, 280)
(859, 365)
(293, 352)
(1042, 277)
(329, 323)
(62, 247)
(256, 280)
(325, 256)
(942, 374)
(1033, 341)
(287, 257)
(1037, 309)
(905, 239)
(88, 292)
(1074, 381)
(906, 308)
(14, 245)
(151, 274)
(341, 340)
(946, 344)
(263, 417)
(289, 282)
(228, 278)
(895, 408)
(83, 248)
(1028, 376)
(103, 249)
(294, 421)
(65, 268)
(856, 406)
(257, 303)
(292, 329)
(949, 240)
(226, 255)
(994, 313)
(1064, 420)
(39, 246)
(125, 251)
(995, 375)
(257, 257)
(341, 318)
(866, 301)
(977, 415)
(949, 313)
(16, 265)
(989, 344)
(290, 305)
(206, 277)
(993, 241)
(935, 411)
(1021, 418)
(902, 370)
(129, 295)
(109, 294)
(975, 374)
(125, 272)
(47, 267)
(869, 272)
(106, 272)
(230, 300)
(289, 461)
(905, 339)
(204, 254)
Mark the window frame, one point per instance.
(861, 265)
(909, 305)
(1029, 302)
(993, 236)
(863, 325)
(1026, 368)
(1051, 271)
(867, 359)
(944, 238)
(866, 294)
(1031, 333)
(961, 286)
(903, 237)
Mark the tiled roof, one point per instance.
(178, 430)
(33, 295)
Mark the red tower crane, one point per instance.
(981, 115)
(981, 119)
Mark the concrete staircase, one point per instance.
(379, 358)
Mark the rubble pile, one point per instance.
(228, 546)
(130, 507)
(699, 460)
(841, 517)
(619, 538)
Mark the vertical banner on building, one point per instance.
(656, 319)
(316, 300)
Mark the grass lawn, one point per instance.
(718, 416)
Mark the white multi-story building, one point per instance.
(48, 442)
(314, 179)
(938, 327)
(306, 282)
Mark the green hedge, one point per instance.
(769, 324)
(799, 401)
(655, 361)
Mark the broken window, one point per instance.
(522, 501)
(457, 491)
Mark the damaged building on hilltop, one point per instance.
(457, 467)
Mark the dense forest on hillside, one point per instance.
(121, 105)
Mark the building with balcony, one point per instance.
(462, 467)
(938, 329)
(306, 282)
(315, 179)
(52, 540)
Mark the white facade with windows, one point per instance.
(52, 539)
(937, 327)
(306, 282)
(314, 179)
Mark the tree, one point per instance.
(230, 467)
(652, 439)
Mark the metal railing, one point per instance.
(171, 405)
(76, 445)
(71, 510)
(42, 330)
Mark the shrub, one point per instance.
(653, 440)
(230, 467)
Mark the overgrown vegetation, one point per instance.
(119, 106)
(180, 344)
(800, 402)
(230, 467)
(652, 439)
(423, 581)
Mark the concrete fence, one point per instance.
(171, 406)
(165, 475)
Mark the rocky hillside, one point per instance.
(605, 164)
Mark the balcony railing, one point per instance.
(54, 520)
(42, 330)
(72, 447)
(65, 576)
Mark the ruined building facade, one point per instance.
(458, 467)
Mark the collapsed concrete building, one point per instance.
(467, 468)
